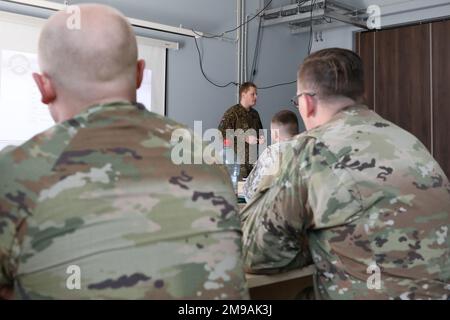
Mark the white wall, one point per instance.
(189, 97)
(280, 56)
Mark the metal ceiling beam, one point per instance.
(295, 18)
(338, 12)
(345, 19)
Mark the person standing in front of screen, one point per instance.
(243, 116)
(95, 207)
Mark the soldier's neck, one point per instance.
(246, 107)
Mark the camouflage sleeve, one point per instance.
(274, 223)
(228, 122)
(262, 168)
(260, 126)
(252, 182)
(7, 236)
(12, 223)
(10, 242)
(7, 149)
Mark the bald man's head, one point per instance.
(102, 54)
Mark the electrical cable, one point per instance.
(301, 3)
(218, 36)
(313, 3)
(277, 85)
(203, 72)
(236, 28)
(257, 50)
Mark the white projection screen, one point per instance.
(22, 115)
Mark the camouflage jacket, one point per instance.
(266, 167)
(237, 117)
(370, 202)
(100, 193)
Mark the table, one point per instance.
(287, 285)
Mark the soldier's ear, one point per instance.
(46, 87)
(310, 105)
(140, 73)
(275, 134)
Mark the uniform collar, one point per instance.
(109, 106)
(351, 110)
(85, 115)
(240, 105)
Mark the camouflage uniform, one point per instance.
(364, 193)
(237, 117)
(266, 167)
(100, 192)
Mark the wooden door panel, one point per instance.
(441, 93)
(402, 79)
(365, 46)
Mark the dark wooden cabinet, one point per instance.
(365, 42)
(407, 71)
(402, 79)
(441, 93)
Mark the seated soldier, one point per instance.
(95, 208)
(283, 128)
(364, 195)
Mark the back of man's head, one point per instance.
(332, 73)
(91, 58)
(286, 122)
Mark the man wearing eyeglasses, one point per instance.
(363, 195)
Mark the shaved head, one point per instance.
(94, 59)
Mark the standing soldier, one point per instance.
(243, 116)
